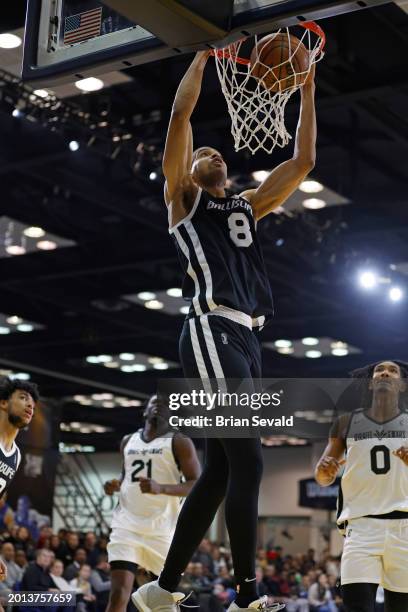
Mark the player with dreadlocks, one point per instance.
(372, 443)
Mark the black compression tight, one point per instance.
(360, 597)
(232, 469)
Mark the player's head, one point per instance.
(208, 167)
(17, 400)
(383, 377)
(157, 411)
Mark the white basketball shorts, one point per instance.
(376, 551)
(147, 551)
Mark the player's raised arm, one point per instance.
(332, 458)
(286, 177)
(179, 143)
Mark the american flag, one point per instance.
(82, 26)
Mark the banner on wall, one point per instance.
(312, 495)
(32, 491)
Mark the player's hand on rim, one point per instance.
(402, 453)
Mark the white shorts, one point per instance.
(376, 551)
(147, 551)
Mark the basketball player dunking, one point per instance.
(373, 499)
(154, 460)
(227, 284)
(17, 402)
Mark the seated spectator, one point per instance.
(261, 558)
(271, 580)
(262, 589)
(14, 571)
(224, 577)
(21, 559)
(56, 573)
(72, 570)
(320, 597)
(200, 583)
(101, 583)
(91, 548)
(23, 541)
(67, 550)
(55, 544)
(82, 585)
(203, 556)
(295, 603)
(36, 576)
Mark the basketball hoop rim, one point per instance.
(312, 26)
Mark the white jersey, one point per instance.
(140, 512)
(375, 481)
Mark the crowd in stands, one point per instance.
(69, 561)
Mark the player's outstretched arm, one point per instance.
(286, 177)
(179, 143)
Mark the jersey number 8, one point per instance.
(240, 230)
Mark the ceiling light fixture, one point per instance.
(310, 186)
(89, 84)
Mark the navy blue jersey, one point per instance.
(9, 462)
(222, 260)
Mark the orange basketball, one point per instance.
(278, 59)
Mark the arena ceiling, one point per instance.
(103, 207)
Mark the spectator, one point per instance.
(261, 558)
(68, 548)
(92, 550)
(56, 573)
(271, 580)
(320, 597)
(36, 576)
(201, 584)
(100, 581)
(55, 544)
(203, 556)
(72, 570)
(82, 585)
(14, 572)
(21, 559)
(262, 589)
(24, 542)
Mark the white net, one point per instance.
(257, 94)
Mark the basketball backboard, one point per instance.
(67, 40)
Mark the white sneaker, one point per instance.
(259, 604)
(152, 598)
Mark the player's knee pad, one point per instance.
(359, 597)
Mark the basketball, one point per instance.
(280, 61)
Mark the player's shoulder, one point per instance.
(341, 425)
(126, 439)
(247, 195)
